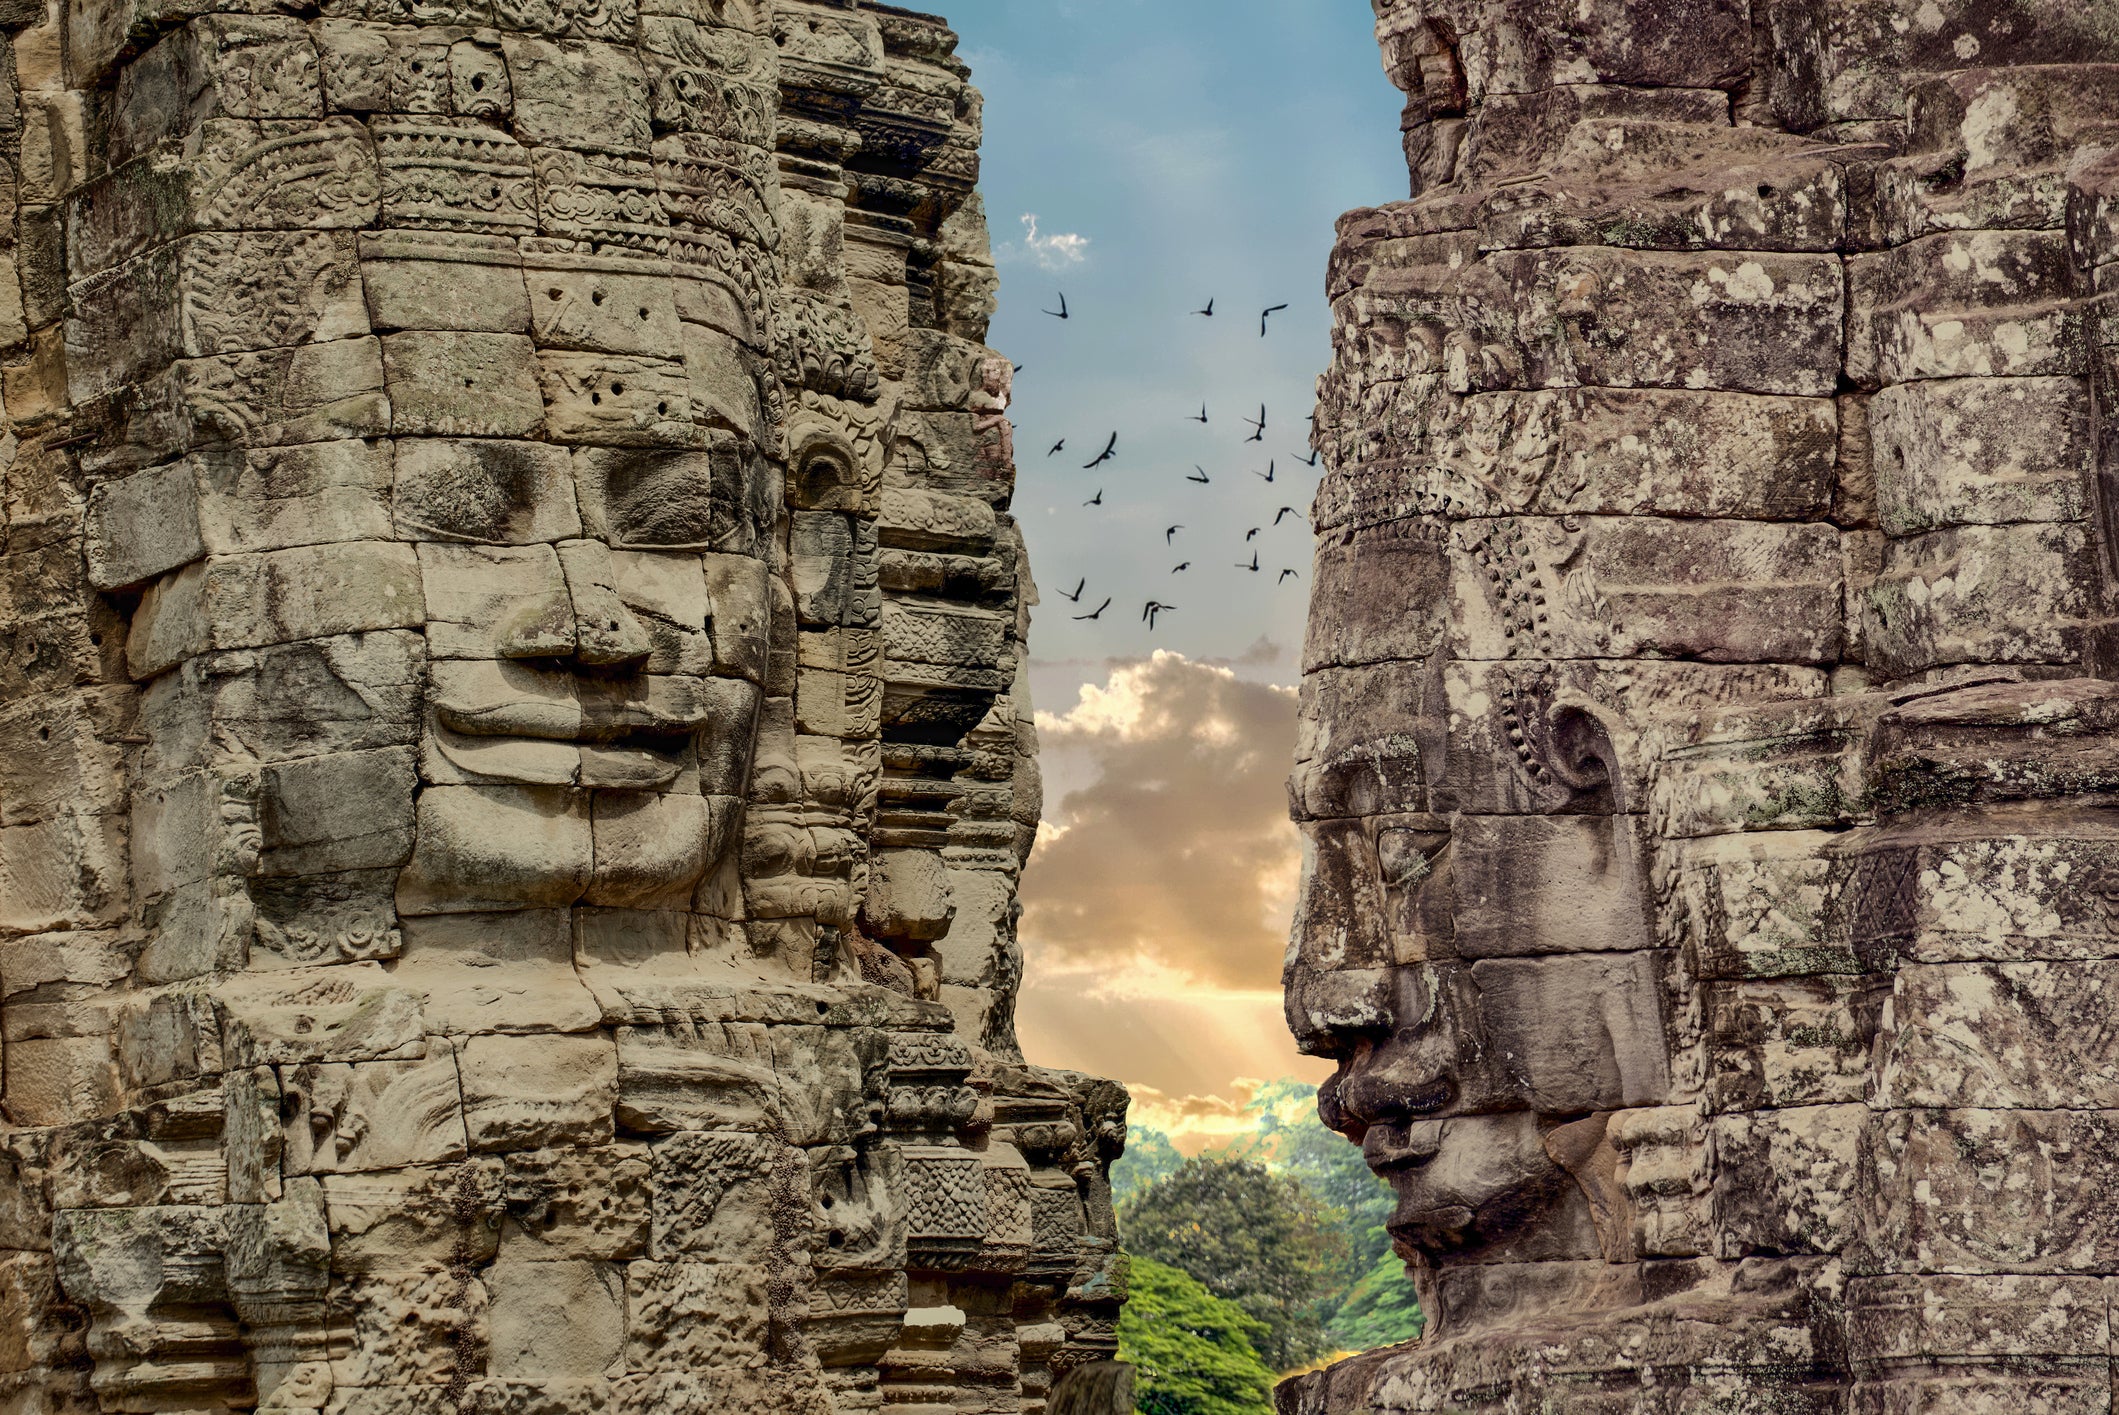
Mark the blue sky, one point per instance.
(1170, 151)
(1203, 149)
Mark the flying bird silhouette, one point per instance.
(1284, 575)
(1208, 311)
(1202, 415)
(1284, 513)
(1262, 318)
(1061, 312)
(1171, 534)
(1110, 451)
(1250, 535)
(1203, 479)
(1154, 607)
(1258, 425)
(1096, 500)
(1097, 612)
(1311, 460)
(1267, 474)
(1252, 567)
(1175, 569)
(1076, 596)
(1057, 448)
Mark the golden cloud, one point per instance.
(1177, 852)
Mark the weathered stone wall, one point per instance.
(513, 770)
(1708, 755)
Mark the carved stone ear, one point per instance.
(1580, 754)
(824, 469)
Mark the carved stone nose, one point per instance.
(579, 617)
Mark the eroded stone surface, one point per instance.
(1706, 754)
(510, 630)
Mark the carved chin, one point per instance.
(1470, 1181)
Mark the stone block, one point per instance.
(667, 594)
(1983, 594)
(1579, 1032)
(647, 499)
(650, 849)
(1938, 1316)
(348, 1118)
(722, 1195)
(60, 1080)
(438, 280)
(1990, 304)
(1759, 905)
(1381, 593)
(1784, 1180)
(143, 526)
(65, 872)
(1791, 1041)
(529, 1092)
(694, 1316)
(579, 94)
(64, 754)
(577, 1203)
(403, 1331)
(724, 380)
(250, 601)
(1952, 452)
(617, 400)
(1546, 884)
(602, 303)
(420, 1220)
(451, 383)
(495, 603)
(276, 498)
(345, 811)
(497, 847)
(843, 1082)
(2023, 1035)
(708, 1076)
(2001, 886)
(217, 66)
(556, 1320)
(1754, 323)
(215, 293)
(459, 174)
(821, 552)
(508, 971)
(484, 490)
(230, 174)
(1972, 1190)
(1723, 591)
(1780, 766)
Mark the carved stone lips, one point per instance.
(1397, 1147)
(507, 722)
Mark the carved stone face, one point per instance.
(515, 742)
(1711, 619)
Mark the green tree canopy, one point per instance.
(1250, 1236)
(1149, 1156)
(1193, 1353)
(1372, 1302)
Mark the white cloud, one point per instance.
(1058, 251)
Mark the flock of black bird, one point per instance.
(1155, 608)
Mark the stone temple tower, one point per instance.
(1710, 748)
(513, 764)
